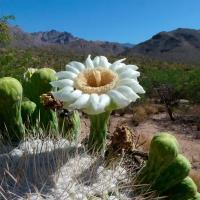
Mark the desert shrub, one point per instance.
(184, 81)
(143, 110)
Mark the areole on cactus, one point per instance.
(97, 87)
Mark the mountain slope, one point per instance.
(180, 45)
(63, 41)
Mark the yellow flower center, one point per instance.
(98, 80)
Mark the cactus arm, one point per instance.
(173, 174)
(163, 150)
(27, 109)
(37, 85)
(70, 125)
(185, 190)
(10, 109)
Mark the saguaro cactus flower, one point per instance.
(97, 87)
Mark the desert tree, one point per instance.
(4, 28)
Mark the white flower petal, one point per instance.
(132, 84)
(133, 67)
(129, 73)
(66, 75)
(120, 61)
(103, 62)
(70, 68)
(118, 98)
(97, 104)
(94, 102)
(104, 100)
(89, 62)
(61, 94)
(121, 69)
(62, 83)
(116, 66)
(81, 102)
(72, 96)
(128, 93)
(96, 61)
(77, 65)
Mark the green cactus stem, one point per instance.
(197, 197)
(185, 190)
(166, 171)
(98, 131)
(37, 85)
(163, 151)
(10, 109)
(173, 174)
(27, 109)
(69, 124)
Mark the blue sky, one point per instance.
(130, 21)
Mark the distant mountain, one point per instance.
(54, 37)
(63, 41)
(129, 45)
(180, 45)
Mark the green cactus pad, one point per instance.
(10, 109)
(70, 125)
(27, 109)
(185, 190)
(163, 151)
(37, 85)
(173, 174)
(197, 197)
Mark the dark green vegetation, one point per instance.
(183, 78)
(166, 170)
(185, 81)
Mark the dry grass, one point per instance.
(145, 141)
(142, 112)
(139, 115)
